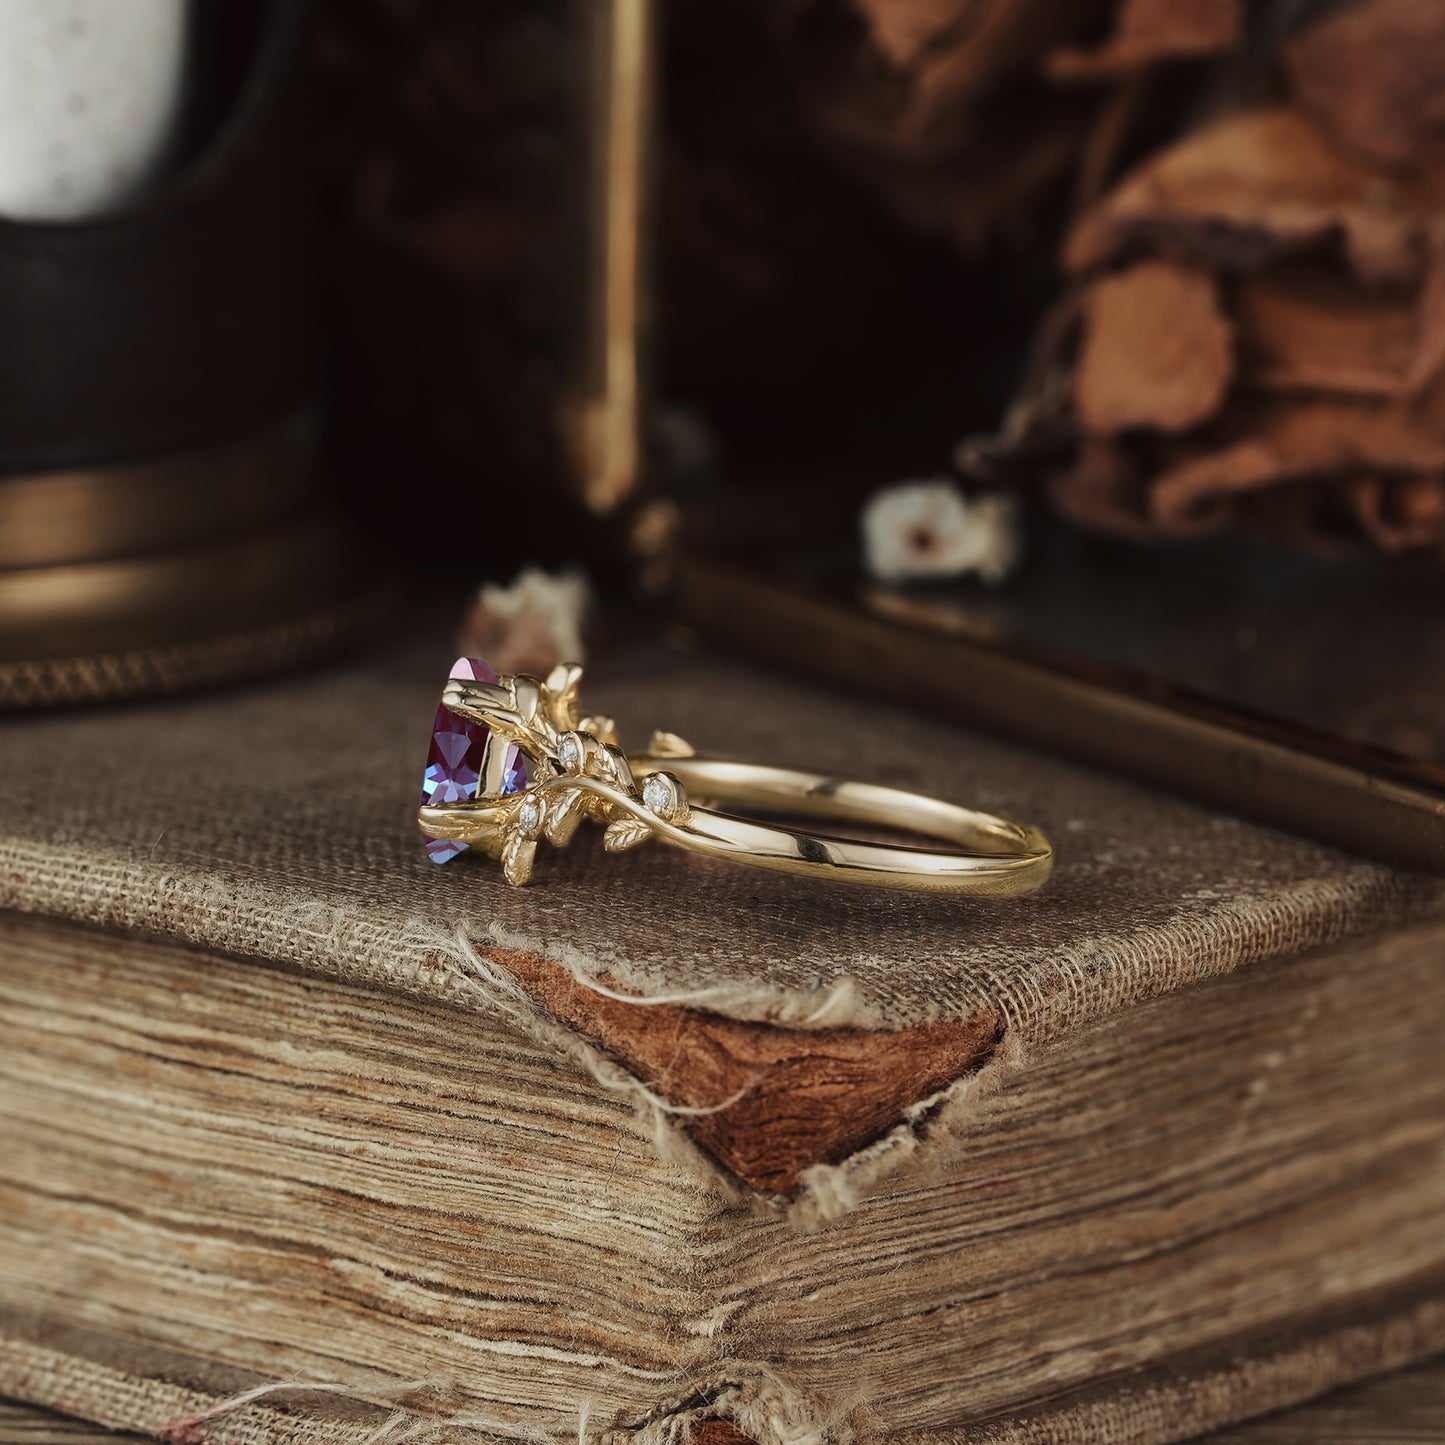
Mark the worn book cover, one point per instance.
(308, 1138)
(1406, 1407)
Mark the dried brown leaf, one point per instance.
(904, 31)
(1156, 352)
(1148, 31)
(937, 60)
(1401, 514)
(1427, 355)
(1338, 434)
(1285, 441)
(1197, 495)
(1254, 187)
(1302, 330)
(1374, 75)
(1102, 490)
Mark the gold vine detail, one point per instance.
(578, 771)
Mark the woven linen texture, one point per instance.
(279, 822)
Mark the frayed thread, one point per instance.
(609, 1075)
(837, 1005)
(761, 1406)
(758, 1403)
(402, 1426)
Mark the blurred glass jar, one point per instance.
(162, 519)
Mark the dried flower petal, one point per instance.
(1196, 496)
(1257, 186)
(532, 624)
(1401, 514)
(1148, 31)
(1427, 356)
(1102, 490)
(1286, 440)
(1336, 434)
(1156, 351)
(942, 58)
(1310, 330)
(1374, 75)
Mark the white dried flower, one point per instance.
(920, 530)
(532, 624)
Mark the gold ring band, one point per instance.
(513, 762)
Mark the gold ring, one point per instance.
(513, 761)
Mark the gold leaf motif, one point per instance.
(528, 694)
(604, 729)
(564, 816)
(669, 745)
(517, 856)
(610, 763)
(562, 686)
(621, 768)
(625, 833)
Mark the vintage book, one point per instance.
(1403, 1408)
(30, 1425)
(305, 1138)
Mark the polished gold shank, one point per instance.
(578, 771)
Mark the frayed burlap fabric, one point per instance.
(279, 822)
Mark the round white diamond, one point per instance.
(657, 794)
(570, 752)
(529, 815)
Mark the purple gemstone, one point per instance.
(441, 850)
(454, 762)
(514, 776)
(471, 669)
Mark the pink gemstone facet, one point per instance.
(454, 762)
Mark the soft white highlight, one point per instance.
(90, 94)
(921, 530)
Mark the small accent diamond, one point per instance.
(658, 794)
(569, 753)
(529, 816)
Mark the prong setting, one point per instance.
(572, 752)
(531, 812)
(577, 771)
(664, 795)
